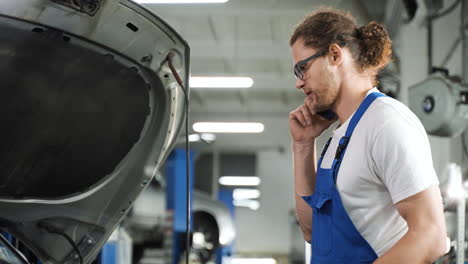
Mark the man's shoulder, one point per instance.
(388, 111)
(387, 106)
(393, 118)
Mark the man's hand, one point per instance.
(306, 125)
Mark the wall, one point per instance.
(268, 229)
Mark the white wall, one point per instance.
(268, 229)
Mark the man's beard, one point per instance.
(322, 108)
(328, 96)
(327, 99)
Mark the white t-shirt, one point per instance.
(387, 160)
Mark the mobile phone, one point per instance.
(327, 114)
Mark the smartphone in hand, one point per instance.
(327, 114)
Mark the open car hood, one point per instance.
(89, 111)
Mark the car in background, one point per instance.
(148, 222)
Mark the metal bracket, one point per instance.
(85, 245)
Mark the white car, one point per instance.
(213, 226)
(93, 98)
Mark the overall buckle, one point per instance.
(341, 147)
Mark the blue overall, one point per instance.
(335, 239)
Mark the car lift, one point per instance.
(176, 204)
(226, 197)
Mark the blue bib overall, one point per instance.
(335, 239)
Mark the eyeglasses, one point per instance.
(299, 68)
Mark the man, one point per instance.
(373, 197)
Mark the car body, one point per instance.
(148, 220)
(90, 108)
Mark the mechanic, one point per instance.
(373, 196)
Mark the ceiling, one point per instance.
(248, 38)
(244, 38)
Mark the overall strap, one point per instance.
(360, 112)
(324, 150)
(343, 144)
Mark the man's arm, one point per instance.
(425, 240)
(305, 126)
(304, 184)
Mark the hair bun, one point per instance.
(376, 46)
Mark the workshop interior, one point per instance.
(156, 131)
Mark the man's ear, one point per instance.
(335, 53)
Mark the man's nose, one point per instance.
(299, 84)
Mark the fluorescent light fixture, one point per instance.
(180, 1)
(228, 127)
(245, 194)
(239, 181)
(251, 204)
(205, 136)
(253, 261)
(221, 82)
(194, 138)
(208, 137)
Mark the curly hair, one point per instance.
(370, 45)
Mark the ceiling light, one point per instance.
(239, 181)
(205, 137)
(251, 204)
(180, 1)
(221, 82)
(208, 137)
(225, 127)
(253, 261)
(194, 138)
(245, 194)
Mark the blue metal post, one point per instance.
(109, 253)
(226, 197)
(9, 237)
(176, 200)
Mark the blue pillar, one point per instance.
(9, 237)
(176, 200)
(225, 196)
(109, 253)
